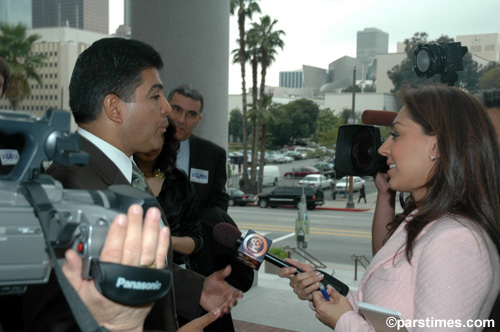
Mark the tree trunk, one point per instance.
(241, 26)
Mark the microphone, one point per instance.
(231, 237)
(378, 118)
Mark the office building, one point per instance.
(61, 46)
(15, 11)
(89, 15)
(486, 46)
(369, 43)
(291, 79)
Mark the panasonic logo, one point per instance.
(137, 285)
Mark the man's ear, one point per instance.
(112, 108)
(199, 119)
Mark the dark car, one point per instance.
(301, 172)
(322, 166)
(238, 197)
(292, 196)
(294, 155)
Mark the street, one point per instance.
(334, 235)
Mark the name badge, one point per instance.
(9, 157)
(199, 175)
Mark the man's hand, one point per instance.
(127, 243)
(217, 293)
(305, 283)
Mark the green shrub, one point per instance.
(279, 252)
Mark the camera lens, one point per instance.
(423, 60)
(362, 150)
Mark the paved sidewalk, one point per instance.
(272, 306)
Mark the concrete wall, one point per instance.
(193, 39)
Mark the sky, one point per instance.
(319, 32)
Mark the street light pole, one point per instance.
(350, 200)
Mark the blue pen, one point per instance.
(324, 292)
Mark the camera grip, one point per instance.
(130, 285)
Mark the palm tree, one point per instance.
(244, 9)
(268, 42)
(15, 48)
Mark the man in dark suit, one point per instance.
(205, 164)
(116, 96)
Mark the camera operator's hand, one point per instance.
(127, 243)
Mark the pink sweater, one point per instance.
(454, 275)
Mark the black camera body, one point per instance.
(439, 58)
(357, 151)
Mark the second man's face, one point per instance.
(185, 115)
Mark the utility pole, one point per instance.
(350, 200)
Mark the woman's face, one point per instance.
(408, 151)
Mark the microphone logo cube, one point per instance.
(253, 249)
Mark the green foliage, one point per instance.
(349, 89)
(490, 79)
(328, 126)
(15, 48)
(278, 252)
(236, 125)
(294, 121)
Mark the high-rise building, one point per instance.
(15, 11)
(291, 79)
(369, 43)
(61, 46)
(89, 15)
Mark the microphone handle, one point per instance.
(280, 263)
(327, 280)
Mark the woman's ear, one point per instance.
(112, 108)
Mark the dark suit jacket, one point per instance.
(207, 156)
(213, 202)
(46, 308)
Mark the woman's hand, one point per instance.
(304, 283)
(329, 312)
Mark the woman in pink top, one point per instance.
(441, 258)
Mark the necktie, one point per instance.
(138, 179)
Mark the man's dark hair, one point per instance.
(490, 98)
(187, 90)
(5, 71)
(108, 66)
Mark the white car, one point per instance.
(317, 181)
(356, 183)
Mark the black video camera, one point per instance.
(439, 58)
(38, 217)
(357, 151)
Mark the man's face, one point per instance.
(185, 115)
(145, 119)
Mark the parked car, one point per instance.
(294, 155)
(292, 196)
(301, 172)
(271, 175)
(238, 197)
(275, 158)
(322, 166)
(316, 180)
(356, 183)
